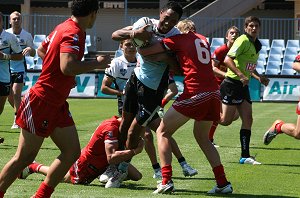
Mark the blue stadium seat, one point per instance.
(217, 41)
(287, 69)
(289, 58)
(39, 63)
(264, 51)
(213, 48)
(291, 51)
(278, 43)
(266, 43)
(276, 50)
(293, 43)
(29, 62)
(289, 72)
(275, 57)
(88, 40)
(273, 68)
(39, 38)
(260, 67)
(263, 58)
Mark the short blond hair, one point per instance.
(186, 26)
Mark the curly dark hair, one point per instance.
(81, 8)
(173, 5)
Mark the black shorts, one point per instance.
(143, 101)
(4, 89)
(233, 92)
(18, 77)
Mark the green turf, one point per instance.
(278, 176)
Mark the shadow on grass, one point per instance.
(5, 146)
(11, 131)
(264, 148)
(193, 178)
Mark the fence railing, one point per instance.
(271, 28)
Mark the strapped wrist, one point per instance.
(132, 34)
(6, 56)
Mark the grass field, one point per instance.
(278, 176)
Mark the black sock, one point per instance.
(245, 135)
(181, 159)
(156, 166)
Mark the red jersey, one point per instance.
(193, 52)
(219, 55)
(52, 84)
(94, 152)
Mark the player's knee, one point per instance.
(297, 135)
(148, 137)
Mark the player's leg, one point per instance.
(201, 130)
(66, 139)
(245, 111)
(17, 94)
(133, 173)
(292, 129)
(171, 122)
(151, 152)
(2, 103)
(126, 121)
(228, 114)
(28, 147)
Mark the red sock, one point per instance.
(164, 102)
(212, 131)
(278, 127)
(166, 172)
(44, 191)
(220, 175)
(34, 167)
(2, 194)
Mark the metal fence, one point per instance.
(271, 28)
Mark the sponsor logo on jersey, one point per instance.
(75, 39)
(123, 71)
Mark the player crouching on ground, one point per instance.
(99, 153)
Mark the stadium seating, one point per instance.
(29, 62)
(260, 67)
(288, 58)
(275, 57)
(217, 42)
(263, 58)
(273, 68)
(265, 43)
(38, 64)
(293, 43)
(88, 42)
(278, 43)
(276, 50)
(291, 51)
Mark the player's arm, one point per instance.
(261, 78)
(70, 66)
(129, 33)
(217, 71)
(28, 51)
(116, 157)
(4, 56)
(41, 51)
(231, 65)
(106, 86)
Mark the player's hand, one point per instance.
(26, 51)
(244, 80)
(103, 61)
(140, 146)
(264, 80)
(1, 55)
(144, 33)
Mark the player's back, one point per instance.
(193, 52)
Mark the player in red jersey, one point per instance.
(200, 101)
(44, 111)
(95, 157)
(280, 126)
(220, 69)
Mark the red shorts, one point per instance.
(83, 172)
(40, 117)
(203, 106)
(298, 108)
